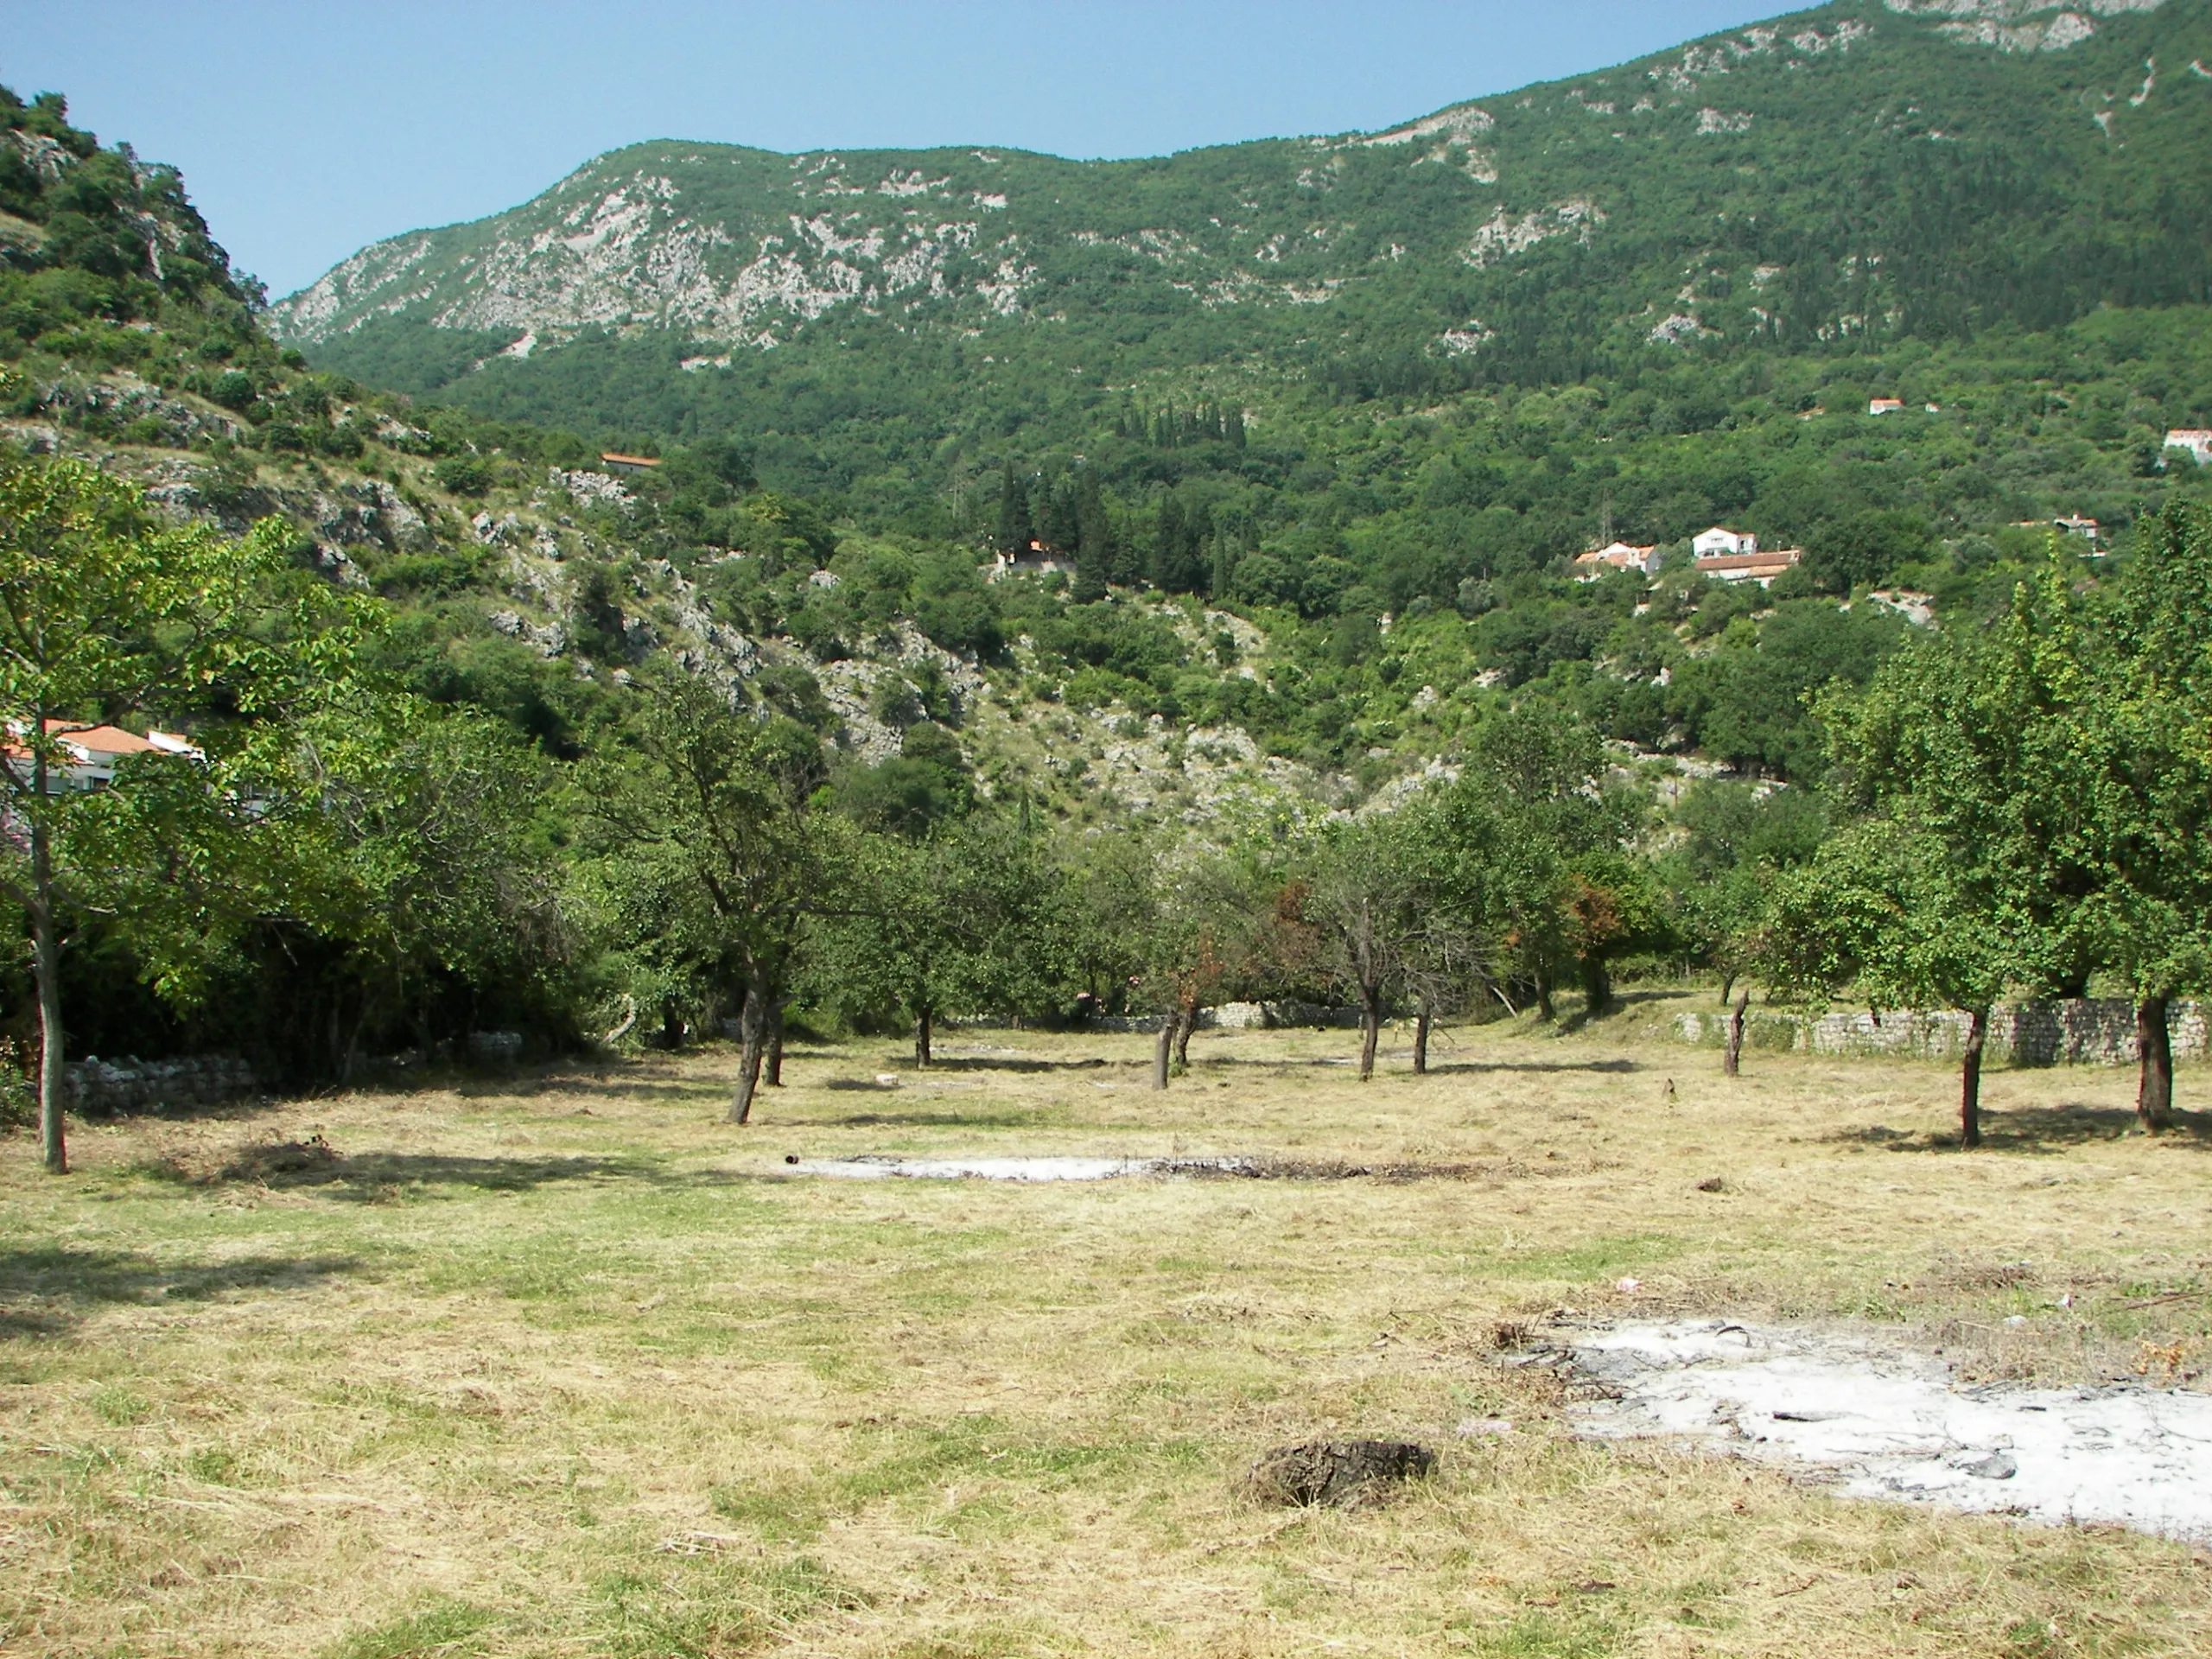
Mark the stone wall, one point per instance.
(2081, 1031)
(98, 1086)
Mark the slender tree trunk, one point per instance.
(1163, 1047)
(1727, 988)
(776, 1048)
(1420, 1042)
(1370, 1031)
(1544, 1009)
(46, 968)
(923, 1020)
(1186, 1022)
(2154, 1087)
(752, 1027)
(1970, 1080)
(1732, 1059)
(1498, 991)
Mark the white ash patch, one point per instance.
(1885, 1421)
(882, 1166)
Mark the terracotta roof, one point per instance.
(1777, 559)
(100, 740)
(629, 460)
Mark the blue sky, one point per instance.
(307, 128)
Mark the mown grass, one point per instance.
(561, 1363)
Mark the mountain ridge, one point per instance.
(751, 260)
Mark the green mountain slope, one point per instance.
(1913, 169)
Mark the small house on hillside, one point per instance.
(1038, 560)
(1621, 555)
(1886, 405)
(627, 466)
(2197, 439)
(93, 753)
(1717, 542)
(1762, 568)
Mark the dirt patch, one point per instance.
(1883, 1421)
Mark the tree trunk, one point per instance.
(1732, 1060)
(2154, 1087)
(1970, 1080)
(922, 1023)
(1186, 1022)
(46, 968)
(1727, 988)
(1544, 1009)
(1420, 1042)
(1597, 986)
(752, 1029)
(1162, 1048)
(776, 1048)
(1370, 1032)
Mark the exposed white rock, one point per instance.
(1462, 121)
(1711, 120)
(1501, 238)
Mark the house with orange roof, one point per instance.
(1762, 568)
(1621, 555)
(91, 754)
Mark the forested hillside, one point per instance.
(1094, 608)
(1859, 199)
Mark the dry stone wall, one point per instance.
(2078, 1030)
(100, 1086)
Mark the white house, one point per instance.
(1039, 560)
(2197, 439)
(1621, 555)
(1884, 405)
(92, 753)
(1718, 543)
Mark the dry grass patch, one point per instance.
(562, 1363)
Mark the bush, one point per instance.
(463, 475)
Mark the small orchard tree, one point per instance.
(1887, 906)
(1957, 885)
(709, 848)
(975, 918)
(108, 616)
(2143, 765)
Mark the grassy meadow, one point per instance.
(561, 1363)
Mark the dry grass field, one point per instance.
(560, 1364)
